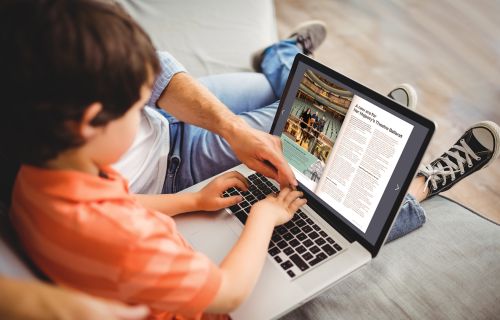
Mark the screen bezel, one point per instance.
(312, 202)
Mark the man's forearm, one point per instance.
(189, 101)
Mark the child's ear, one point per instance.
(86, 129)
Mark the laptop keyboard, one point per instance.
(297, 245)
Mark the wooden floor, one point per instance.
(449, 50)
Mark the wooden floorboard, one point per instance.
(448, 50)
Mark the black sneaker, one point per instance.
(309, 35)
(476, 149)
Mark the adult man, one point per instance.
(192, 135)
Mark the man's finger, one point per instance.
(264, 169)
(285, 173)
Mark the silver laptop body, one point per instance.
(276, 292)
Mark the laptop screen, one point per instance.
(351, 152)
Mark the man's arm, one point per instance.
(191, 102)
(35, 300)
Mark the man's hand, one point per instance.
(210, 197)
(261, 152)
(36, 300)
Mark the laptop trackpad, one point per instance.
(215, 241)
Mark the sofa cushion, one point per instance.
(448, 269)
(10, 262)
(208, 37)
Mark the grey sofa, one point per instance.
(448, 269)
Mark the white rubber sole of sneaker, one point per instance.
(495, 131)
(306, 24)
(406, 97)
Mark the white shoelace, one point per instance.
(444, 167)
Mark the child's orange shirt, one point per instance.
(89, 233)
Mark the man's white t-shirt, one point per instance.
(144, 165)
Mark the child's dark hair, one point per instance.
(57, 58)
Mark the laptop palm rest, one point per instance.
(209, 232)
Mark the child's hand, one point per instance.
(210, 197)
(282, 205)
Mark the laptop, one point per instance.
(354, 153)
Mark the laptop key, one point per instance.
(336, 246)
(301, 236)
(242, 216)
(297, 260)
(252, 177)
(300, 249)
(287, 265)
(313, 235)
(275, 190)
(300, 223)
(294, 243)
(328, 249)
(288, 251)
(323, 234)
(330, 240)
(290, 273)
(278, 259)
(261, 197)
(307, 229)
(281, 230)
(288, 236)
(266, 190)
(320, 241)
(314, 249)
(234, 208)
(253, 200)
(303, 215)
(244, 204)
(295, 230)
(307, 256)
(295, 218)
(316, 227)
(276, 237)
(274, 251)
(309, 220)
(282, 244)
(289, 225)
(308, 243)
(320, 257)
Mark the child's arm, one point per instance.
(242, 266)
(207, 199)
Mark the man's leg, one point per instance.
(477, 148)
(276, 60)
(197, 154)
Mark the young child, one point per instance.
(75, 77)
